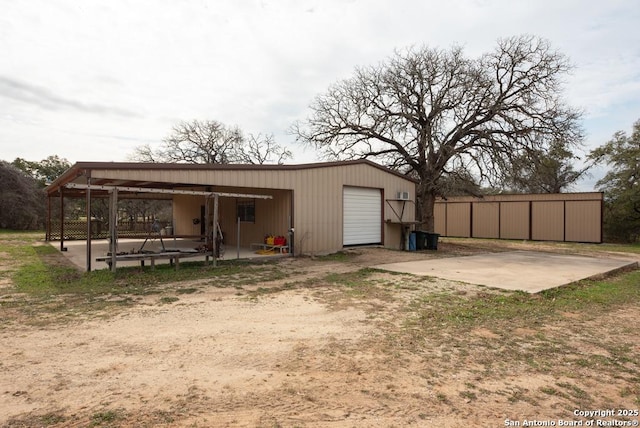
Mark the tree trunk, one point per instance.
(427, 204)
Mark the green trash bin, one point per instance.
(421, 240)
(431, 240)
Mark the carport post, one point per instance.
(88, 223)
(215, 229)
(113, 227)
(61, 219)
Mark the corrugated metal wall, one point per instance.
(514, 220)
(547, 220)
(459, 219)
(272, 216)
(583, 220)
(486, 220)
(316, 194)
(573, 217)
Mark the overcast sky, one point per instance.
(90, 80)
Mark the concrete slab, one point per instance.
(77, 251)
(528, 271)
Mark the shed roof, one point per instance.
(84, 169)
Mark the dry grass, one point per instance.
(434, 352)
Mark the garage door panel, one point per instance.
(362, 216)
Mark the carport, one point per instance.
(175, 254)
(529, 271)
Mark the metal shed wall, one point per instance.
(486, 220)
(459, 219)
(272, 216)
(583, 221)
(574, 217)
(547, 220)
(315, 191)
(514, 220)
(440, 219)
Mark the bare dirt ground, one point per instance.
(313, 350)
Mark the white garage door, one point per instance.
(362, 222)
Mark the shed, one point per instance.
(328, 205)
(568, 217)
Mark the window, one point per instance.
(246, 211)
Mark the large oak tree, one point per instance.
(438, 115)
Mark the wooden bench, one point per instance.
(266, 247)
(173, 257)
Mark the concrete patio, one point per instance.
(528, 271)
(76, 251)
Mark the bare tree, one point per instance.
(432, 112)
(260, 149)
(211, 142)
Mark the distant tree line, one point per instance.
(22, 195)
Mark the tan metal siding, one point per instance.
(185, 209)
(317, 198)
(486, 220)
(547, 220)
(459, 220)
(272, 218)
(440, 218)
(583, 211)
(514, 220)
(583, 221)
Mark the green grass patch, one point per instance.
(186, 290)
(441, 309)
(36, 277)
(53, 286)
(340, 256)
(350, 279)
(19, 235)
(107, 418)
(360, 284)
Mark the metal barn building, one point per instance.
(328, 205)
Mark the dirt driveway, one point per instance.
(332, 344)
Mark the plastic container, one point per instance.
(431, 240)
(412, 241)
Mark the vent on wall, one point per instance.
(403, 196)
